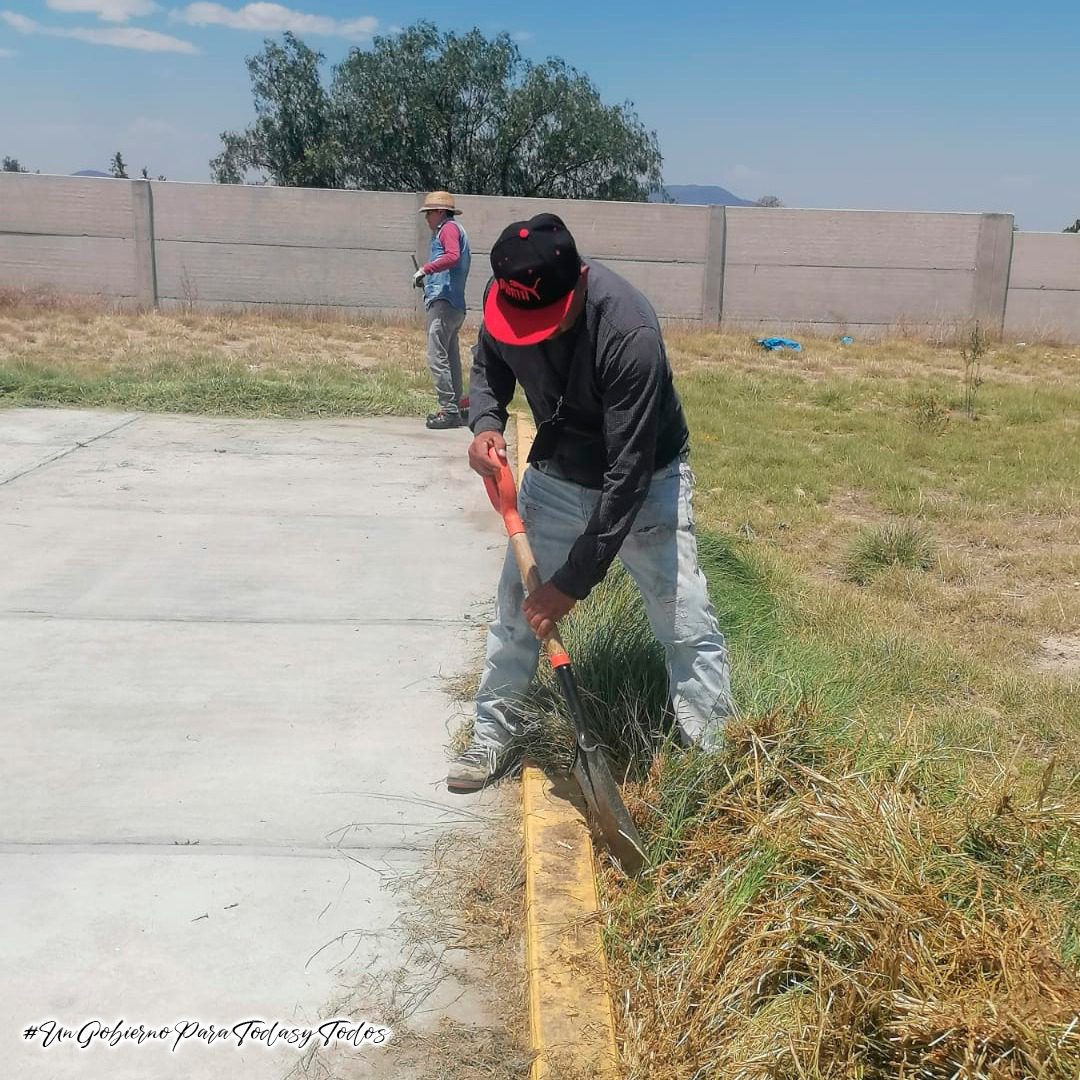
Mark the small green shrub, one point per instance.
(928, 412)
(971, 352)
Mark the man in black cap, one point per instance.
(609, 476)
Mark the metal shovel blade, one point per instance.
(597, 785)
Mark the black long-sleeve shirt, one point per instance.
(621, 417)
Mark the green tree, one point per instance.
(293, 139)
(769, 200)
(10, 164)
(425, 109)
(1074, 227)
(117, 167)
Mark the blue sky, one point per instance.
(916, 106)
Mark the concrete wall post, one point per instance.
(142, 212)
(712, 291)
(993, 258)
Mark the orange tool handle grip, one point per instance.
(503, 495)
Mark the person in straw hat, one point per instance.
(443, 280)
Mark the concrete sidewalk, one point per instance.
(221, 644)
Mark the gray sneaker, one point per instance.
(477, 766)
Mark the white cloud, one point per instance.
(122, 37)
(744, 172)
(267, 17)
(106, 10)
(19, 22)
(521, 36)
(131, 38)
(6, 54)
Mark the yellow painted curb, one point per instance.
(570, 1015)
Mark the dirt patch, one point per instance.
(1060, 655)
(856, 507)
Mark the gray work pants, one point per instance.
(443, 357)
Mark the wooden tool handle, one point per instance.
(530, 575)
(503, 495)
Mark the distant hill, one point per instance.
(92, 172)
(702, 195)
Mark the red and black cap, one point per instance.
(536, 267)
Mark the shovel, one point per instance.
(590, 767)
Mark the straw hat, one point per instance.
(439, 200)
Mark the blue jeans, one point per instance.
(660, 553)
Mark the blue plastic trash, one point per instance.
(847, 340)
(772, 343)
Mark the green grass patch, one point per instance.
(869, 880)
(212, 387)
(776, 447)
(928, 412)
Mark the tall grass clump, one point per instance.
(619, 668)
(816, 911)
(619, 665)
(896, 543)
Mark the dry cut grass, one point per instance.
(462, 939)
(822, 906)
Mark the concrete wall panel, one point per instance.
(80, 265)
(845, 295)
(65, 205)
(660, 248)
(851, 238)
(993, 258)
(1046, 261)
(262, 274)
(285, 217)
(651, 232)
(1043, 313)
(1044, 287)
(673, 289)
